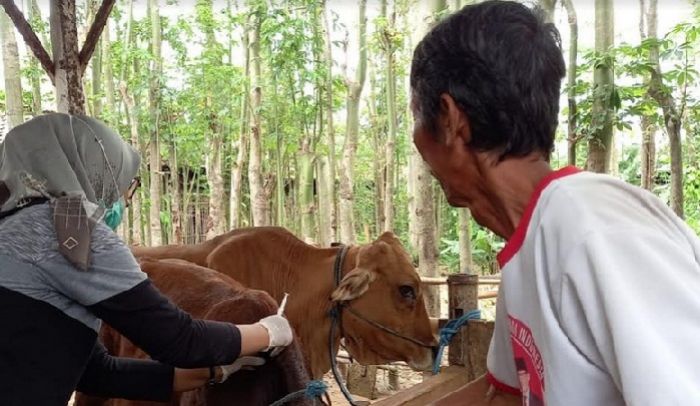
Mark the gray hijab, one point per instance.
(76, 162)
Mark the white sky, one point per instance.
(671, 12)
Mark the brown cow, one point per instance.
(379, 283)
(210, 295)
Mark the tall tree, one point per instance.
(464, 223)
(212, 68)
(327, 170)
(11, 71)
(138, 234)
(599, 146)
(156, 67)
(572, 137)
(68, 64)
(259, 203)
(95, 100)
(425, 199)
(108, 72)
(241, 145)
(34, 18)
(388, 36)
(354, 91)
(672, 111)
(647, 27)
(68, 74)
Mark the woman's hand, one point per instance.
(188, 379)
(280, 332)
(271, 333)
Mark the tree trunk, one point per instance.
(154, 112)
(108, 74)
(376, 129)
(11, 71)
(325, 201)
(347, 223)
(648, 152)
(425, 207)
(328, 225)
(413, 155)
(175, 195)
(465, 246)
(68, 73)
(280, 206)
(96, 79)
(34, 16)
(131, 117)
(241, 146)
(414, 159)
(259, 203)
(603, 86)
(672, 116)
(217, 215)
(305, 168)
(572, 140)
(390, 157)
(427, 229)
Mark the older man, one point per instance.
(600, 299)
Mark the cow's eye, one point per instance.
(407, 292)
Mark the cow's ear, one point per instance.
(353, 285)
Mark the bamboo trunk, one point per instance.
(572, 138)
(325, 201)
(347, 222)
(599, 146)
(11, 72)
(259, 203)
(155, 180)
(136, 224)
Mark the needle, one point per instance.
(282, 306)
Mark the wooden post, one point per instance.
(479, 335)
(362, 380)
(463, 295)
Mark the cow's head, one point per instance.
(384, 287)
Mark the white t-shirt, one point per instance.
(600, 299)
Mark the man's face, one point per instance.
(450, 163)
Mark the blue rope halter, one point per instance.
(314, 389)
(449, 330)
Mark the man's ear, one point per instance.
(456, 127)
(353, 285)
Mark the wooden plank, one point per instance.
(488, 295)
(442, 280)
(430, 390)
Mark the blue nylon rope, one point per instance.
(447, 332)
(314, 389)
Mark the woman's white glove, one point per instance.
(280, 333)
(245, 363)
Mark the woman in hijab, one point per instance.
(64, 183)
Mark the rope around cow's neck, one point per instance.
(336, 313)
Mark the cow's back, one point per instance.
(267, 258)
(207, 294)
